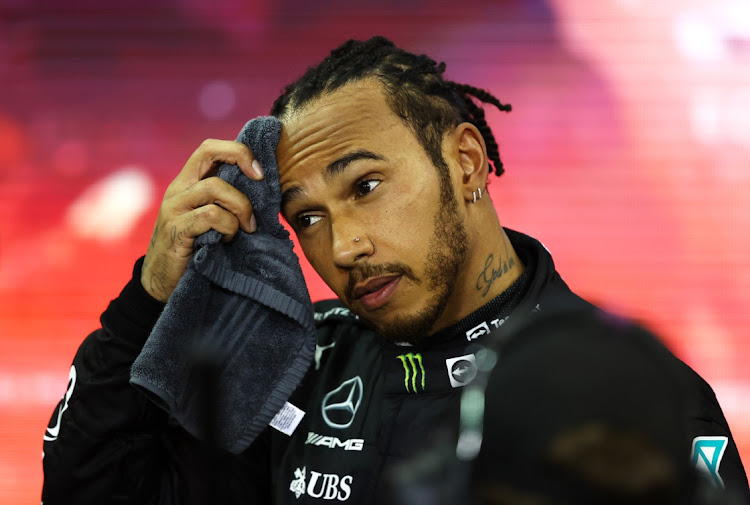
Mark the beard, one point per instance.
(447, 254)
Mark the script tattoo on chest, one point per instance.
(490, 274)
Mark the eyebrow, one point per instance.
(332, 170)
(288, 196)
(336, 167)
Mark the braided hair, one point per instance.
(415, 90)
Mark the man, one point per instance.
(383, 168)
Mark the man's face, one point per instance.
(367, 206)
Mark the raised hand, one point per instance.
(195, 202)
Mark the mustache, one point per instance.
(368, 271)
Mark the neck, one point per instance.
(490, 267)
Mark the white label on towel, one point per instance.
(287, 419)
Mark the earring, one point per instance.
(474, 194)
(480, 193)
(356, 239)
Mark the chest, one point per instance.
(370, 414)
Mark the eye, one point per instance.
(366, 186)
(307, 220)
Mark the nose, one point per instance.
(350, 244)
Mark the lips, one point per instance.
(377, 291)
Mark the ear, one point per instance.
(471, 154)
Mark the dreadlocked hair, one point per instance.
(415, 91)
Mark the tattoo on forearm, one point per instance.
(158, 279)
(489, 274)
(159, 272)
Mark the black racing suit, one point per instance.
(369, 406)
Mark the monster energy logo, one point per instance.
(411, 361)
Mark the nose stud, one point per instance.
(356, 239)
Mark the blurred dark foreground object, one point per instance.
(585, 408)
(572, 407)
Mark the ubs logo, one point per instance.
(328, 486)
(340, 405)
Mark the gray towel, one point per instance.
(243, 308)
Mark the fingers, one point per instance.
(210, 155)
(215, 191)
(200, 220)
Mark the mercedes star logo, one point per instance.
(340, 405)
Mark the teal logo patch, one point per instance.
(706, 457)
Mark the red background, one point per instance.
(627, 154)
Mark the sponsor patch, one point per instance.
(477, 331)
(461, 370)
(319, 349)
(297, 486)
(414, 374)
(336, 311)
(706, 457)
(352, 444)
(340, 405)
(326, 486)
